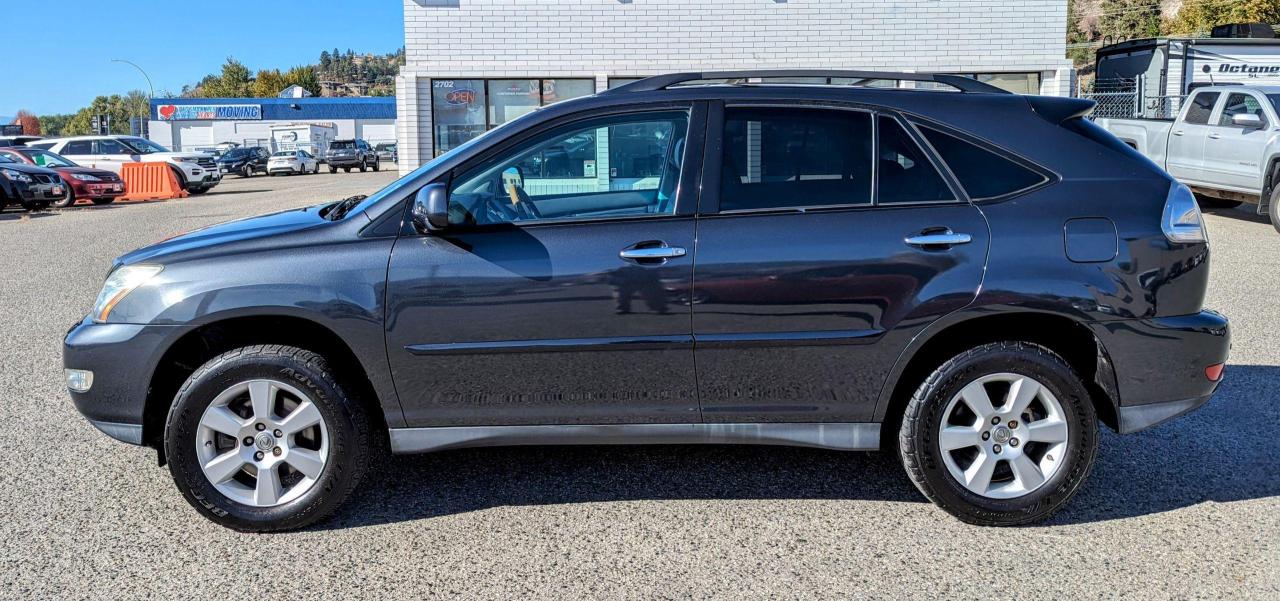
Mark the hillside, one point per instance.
(335, 73)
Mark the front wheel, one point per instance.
(263, 438)
(65, 201)
(376, 166)
(1000, 435)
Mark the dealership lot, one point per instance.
(1188, 509)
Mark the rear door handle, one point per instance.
(1177, 133)
(946, 238)
(657, 252)
(1215, 136)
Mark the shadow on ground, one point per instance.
(20, 215)
(1224, 452)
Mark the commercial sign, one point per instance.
(209, 112)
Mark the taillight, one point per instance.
(1182, 222)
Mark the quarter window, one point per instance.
(905, 173)
(982, 173)
(618, 166)
(1201, 108)
(795, 158)
(1241, 104)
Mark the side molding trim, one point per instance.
(842, 437)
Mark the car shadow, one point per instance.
(227, 192)
(20, 215)
(1245, 212)
(1222, 453)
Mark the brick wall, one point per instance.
(602, 38)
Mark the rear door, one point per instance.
(1185, 159)
(81, 152)
(552, 297)
(1233, 154)
(828, 239)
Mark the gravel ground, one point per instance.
(1190, 509)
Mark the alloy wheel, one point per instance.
(262, 443)
(1007, 450)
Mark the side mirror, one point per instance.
(1248, 120)
(431, 208)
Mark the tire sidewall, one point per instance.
(1077, 407)
(220, 374)
(1273, 208)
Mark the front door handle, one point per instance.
(652, 253)
(1177, 133)
(943, 238)
(1215, 136)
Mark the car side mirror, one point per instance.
(431, 208)
(1248, 120)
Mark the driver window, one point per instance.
(616, 166)
(110, 147)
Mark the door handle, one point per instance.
(652, 253)
(1215, 136)
(943, 238)
(1177, 133)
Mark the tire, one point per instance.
(248, 171)
(104, 201)
(66, 201)
(376, 166)
(346, 170)
(332, 169)
(364, 166)
(1273, 208)
(343, 434)
(1009, 499)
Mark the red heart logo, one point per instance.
(167, 111)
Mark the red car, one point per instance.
(97, 185)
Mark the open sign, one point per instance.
(460, 96)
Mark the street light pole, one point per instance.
(153, 89)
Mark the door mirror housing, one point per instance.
(1248, 120)
(431, 208)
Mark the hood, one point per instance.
(190, 156)
(257, 232)
(102, 173)
(25, 168)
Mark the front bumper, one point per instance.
(122, 358)
(40, 191)
(1160, 365)
(97, 189)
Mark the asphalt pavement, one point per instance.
(1190, 509)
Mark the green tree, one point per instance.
(118, 108)
(233, 83)
(1198, 18)
(267, 84)
(304, 77)
(54, 125)
(1130, 19)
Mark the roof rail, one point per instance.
(660, 82)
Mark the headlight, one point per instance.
(16, 176)
(177, 159)
(85, 177)
(119, 284)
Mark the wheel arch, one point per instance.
(213, 338)
(1063, 335)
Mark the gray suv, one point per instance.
(349, 154)
(971, 280)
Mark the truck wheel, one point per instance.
(1000, 435)
(264, 438)
(1273, 209)
(65, 201)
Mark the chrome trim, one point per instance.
(130, 433)
(660, 252)
(548, 345)
(943, 239)
(835, 436)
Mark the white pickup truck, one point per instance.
(1224, 145)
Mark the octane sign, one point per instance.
(209, 112)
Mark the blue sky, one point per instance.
(59, 51)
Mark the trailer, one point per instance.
(311, 137)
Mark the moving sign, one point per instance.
(209, 112)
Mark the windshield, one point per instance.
(236, 153)
(44, 158)
(4, 158)
(1275, 101)
(285, 153)
(143, 146)
(342, 145)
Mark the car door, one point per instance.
(813, 268)
(1185, 159)
(1233, 153)
(112, 155)
(549, 298)
(81, 153)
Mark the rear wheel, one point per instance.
(377, 166)
(264, 438)
(1000, 435)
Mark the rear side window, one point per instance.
(906, 175)
(1201, 107)
(78, 147)
(982, 173)
(786, 158)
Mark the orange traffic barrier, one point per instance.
(150, 181)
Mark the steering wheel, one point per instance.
(511, 203)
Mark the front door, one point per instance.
(552, 298)
(1233, 154)
(825, 255)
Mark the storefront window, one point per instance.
(555, 90)
(510, 98)
(458, 109)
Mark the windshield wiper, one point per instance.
(339, 209)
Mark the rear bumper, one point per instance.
(122, 358)
(1160, 364)
(344, 161)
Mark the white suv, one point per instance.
(197, 172)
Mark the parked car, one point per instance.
(33, 188)
(293, 161)
(1222, 145)
(348, 154)
(99, 186)
(197, 172)
(244, 161)
(1001, 275)
(387, 151)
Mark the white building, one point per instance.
(472, 64)
(202, 123)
